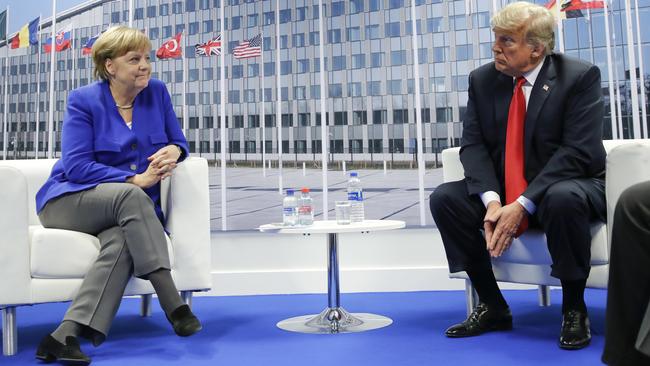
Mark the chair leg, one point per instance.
(145, 305)
(9, 331)
(471, 295)
(187, 297)
(544, 292)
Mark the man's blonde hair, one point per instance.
(116, 42)
(538, 22)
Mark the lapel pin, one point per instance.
(545, 87)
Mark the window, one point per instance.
(164, 9)
(443, 115)
(439, 54)
(177, 7)
(284, 93)
(340, 118)
(354, 34)
(400, 116)
(374, 87)
(395, 87)
(434, 25)
(356, 6)
(253, 121)
(372, 31)
(315, 92)
(334, 36)
(423, 55)
(235, 23)
(359, 117)
(252, 20)
(207, 73)
(464, 52)
(303, 119)
(302, 66)
(237, 71)
(338, 63)
(285, 16)
(233, 96)
(359, 61)
(253, 70)
(167, 31)
(193, 28)
(285, 67)
(284, 42)
(301, 13)
(287, 120)
(314, 39)
(151, 11)
(153, 33)
(207, 26)
(396, 145)
(190, 98)
(193, 75)
(300, 92)
(392, 29)
(374, 5)
(269, 18)
(376, 59)
(267, 43)
(375, 146)
(249, 95)
(190, 5)
(394, 4)
(138, 14)
(299, 40)
(397, 58)
(269, 68)
(115, 17)
(338, 8)
(204, 98)
(335, 91)
(354, 89)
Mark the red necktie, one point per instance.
(514, 177)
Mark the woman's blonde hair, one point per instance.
(538, 22)
(116, 42)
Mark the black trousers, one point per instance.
(565, 215)
(629, 278)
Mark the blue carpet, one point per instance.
(242, 331)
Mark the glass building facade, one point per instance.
(369, 73)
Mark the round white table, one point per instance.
(334, 319)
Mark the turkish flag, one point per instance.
(171, 48)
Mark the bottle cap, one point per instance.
(353, 174)
(304, 190)
(289, 192)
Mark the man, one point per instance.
(627, 329)
(533, 155)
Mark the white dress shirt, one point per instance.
(489, 196)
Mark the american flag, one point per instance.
(211, 47)
(249, 48)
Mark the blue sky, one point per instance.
(22, 11)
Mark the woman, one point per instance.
(120, 138)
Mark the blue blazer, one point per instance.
(98, 147)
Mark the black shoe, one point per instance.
(575, 333)
(481, 320)
(184, 322)
(51, 350)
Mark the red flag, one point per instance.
(584, 4)
(171, 48)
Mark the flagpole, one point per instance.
(618, 89)
(494, 7)
(418, 111)
(222, 118)
(4, 120)
(644, 117)
(560, 29)
(632, 64)
(186, 119)
(74, 59)
(130, 13)
(50, 122)
(263, 121)
(38, 89)
(278, 101)
(610, 81)
(323, 121)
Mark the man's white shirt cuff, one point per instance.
(528, 204)
(490, 196)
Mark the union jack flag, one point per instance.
(211, 47)
(249, 48)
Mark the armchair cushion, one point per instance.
(65, 254)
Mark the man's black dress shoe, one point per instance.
(50, 350)
(575, 333)
(184, 322)
(481, 320)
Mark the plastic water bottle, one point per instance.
(305, 208)
(355, 196)
(290, 209)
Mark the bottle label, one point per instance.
(355, 196)
(304, 210)
(289, 210)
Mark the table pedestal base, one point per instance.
(334, 320)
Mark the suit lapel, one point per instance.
(541, 90)
(502, 97)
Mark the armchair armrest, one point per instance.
(187, 205)
(14, 238)
(452, 168)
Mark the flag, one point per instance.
(583, 4)
(88, 47)
(249, 48)
(564, 11)
(62, 40)
(171, 48)
(26, 35)
(211, 47)
(3, 25)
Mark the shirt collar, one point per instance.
(531, 76)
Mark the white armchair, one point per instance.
(40, 265)
(528, 260)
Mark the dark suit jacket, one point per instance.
(97, 146)
(563, 127)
